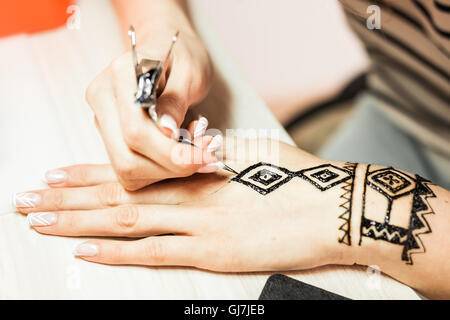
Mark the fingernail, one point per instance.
(26, 200)
(200, 127)
(41, 219)
(169, 123)
(85, 250)
(55, 176)
(215, 143)
(212, 167)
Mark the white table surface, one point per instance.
(46, 123)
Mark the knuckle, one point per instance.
(155, 252)
(91, 93)
(126, 169)
(70, 222)
(185, 169)
(80, 172)
(58, 199)
(121, 63)
(184, 160)
(116, 65)
(119, 254)
(132, 135)
(176, 102)
(126, 217)
(110, 194)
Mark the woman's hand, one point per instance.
(205, 221)
(292, 211)
(141, 152)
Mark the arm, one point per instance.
(285, 210)
(401, 224)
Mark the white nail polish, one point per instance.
(211, 167)
(26, 200)
(200, 128)
(85, 250)
(55, 176)
(41, 219)
(168, 122)
(215, 143)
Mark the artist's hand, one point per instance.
(207, 221)
(141, 152)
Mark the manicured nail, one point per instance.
(26, 200)
(55, 176)
(85, 250)
(211, 167)
(200, 127)
(41, 219)
(215, 143)
(169, 123)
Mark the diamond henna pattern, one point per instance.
(325, 176)
(391, 183)
(264, 177)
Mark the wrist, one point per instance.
(166, 22)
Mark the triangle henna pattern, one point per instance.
(346, 205)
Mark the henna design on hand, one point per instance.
(264, 177)
(347, 197)
(325, 176)
(393, 184)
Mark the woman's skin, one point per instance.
(140, 152)
(208, 222)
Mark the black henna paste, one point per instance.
(347, 196)
(264, 177)
(325, 176)
(394, 184)
(269, 177)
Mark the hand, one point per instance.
(204, 221)
(140, 152)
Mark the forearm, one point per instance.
(402, 225)
(145, 14)
(398, 222)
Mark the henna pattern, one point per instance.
(393, 185)
(264, 177)
(325, 176)
(347, 197)
(388, 182)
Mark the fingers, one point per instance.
(141, 135)
(114, 194)
(174, 100)
(101, 98)
(152, 251)
(95, 197)
(100, 196)
(80, 175)
(122, 221)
